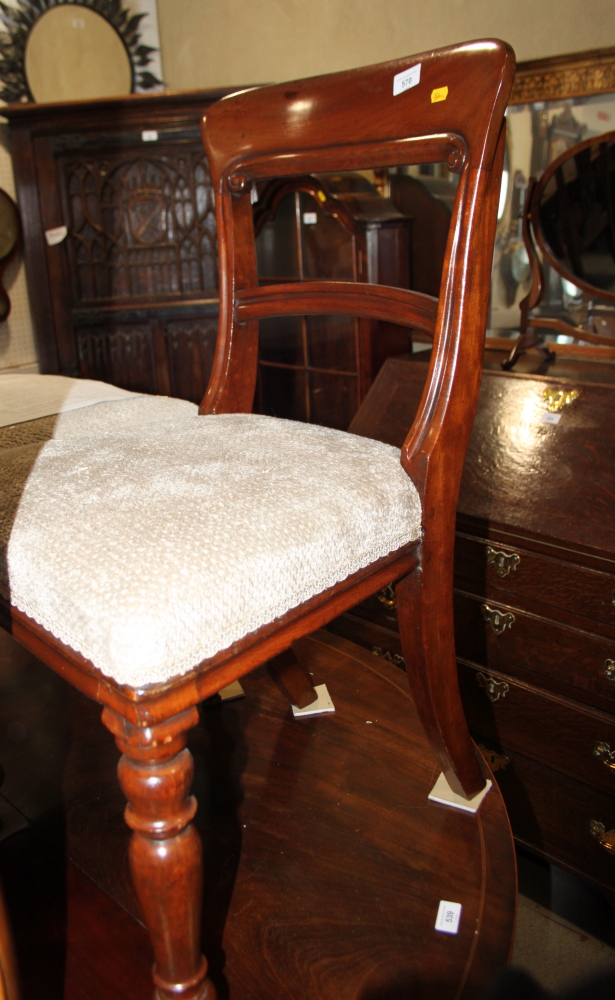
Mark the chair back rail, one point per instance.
(347, 121)
(339, 298)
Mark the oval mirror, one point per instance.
(575, 201)
(74, 53)
(9, 237)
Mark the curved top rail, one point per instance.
(292, 123)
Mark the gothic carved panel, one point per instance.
(140, 226)
(190, 353)
(124, 356)
(172, 358)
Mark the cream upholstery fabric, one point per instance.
(149, 546)
(28, 397)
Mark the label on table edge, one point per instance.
(448, 917)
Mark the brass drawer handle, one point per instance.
(607, 839)
(499, 620)
(605, 754)
(504, 562)
(395, 658)
(609, 670)
(557, 399)
(493, 689)
(387, 596)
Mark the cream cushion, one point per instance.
(150, 544)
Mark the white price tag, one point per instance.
(55, 236)
(310, 218)
(407, 79)
(551, 418)
(448, 917)
(150, 135)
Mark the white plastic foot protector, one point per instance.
(232, 691)
(322, 704)
(444, 794)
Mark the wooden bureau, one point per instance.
(534, 599)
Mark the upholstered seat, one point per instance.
(150, 546)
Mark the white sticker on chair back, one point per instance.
(407, 79)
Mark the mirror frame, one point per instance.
(534, 211)
(5, 301)
(578, 74)
(19, 21)
(557, 78)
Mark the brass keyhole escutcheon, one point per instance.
(496, 761)
(503, 562)
(606, 837)
(604, 753)
(387, 596)
(499, 620)
(493, 689)
(557, 399)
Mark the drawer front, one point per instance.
(494, 634)
(556, 815)
(370, 636)
(503, 572)
(570, 656)
(552, 731)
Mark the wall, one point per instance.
(209, 43)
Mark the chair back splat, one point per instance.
(451, 112)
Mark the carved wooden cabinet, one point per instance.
(121, 257)
(128, 291)
(336, 227)
(534, 599)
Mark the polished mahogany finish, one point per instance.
(534, 593)
(155, 773)
(292, 680)
(318, 841)
(342, 122)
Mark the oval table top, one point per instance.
(325, 863)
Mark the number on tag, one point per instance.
(407, 79)
(448, 917)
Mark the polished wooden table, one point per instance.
(325, 862)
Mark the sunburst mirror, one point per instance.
(61, 50)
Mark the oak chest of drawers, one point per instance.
(534, 599)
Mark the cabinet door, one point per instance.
(141, 240)
(309, 366)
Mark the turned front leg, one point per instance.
(155, 774)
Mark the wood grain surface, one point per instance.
(324, 861)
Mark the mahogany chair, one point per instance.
(152, 565)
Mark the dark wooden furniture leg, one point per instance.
(292, 679)
(155, 773)
(428, 645)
